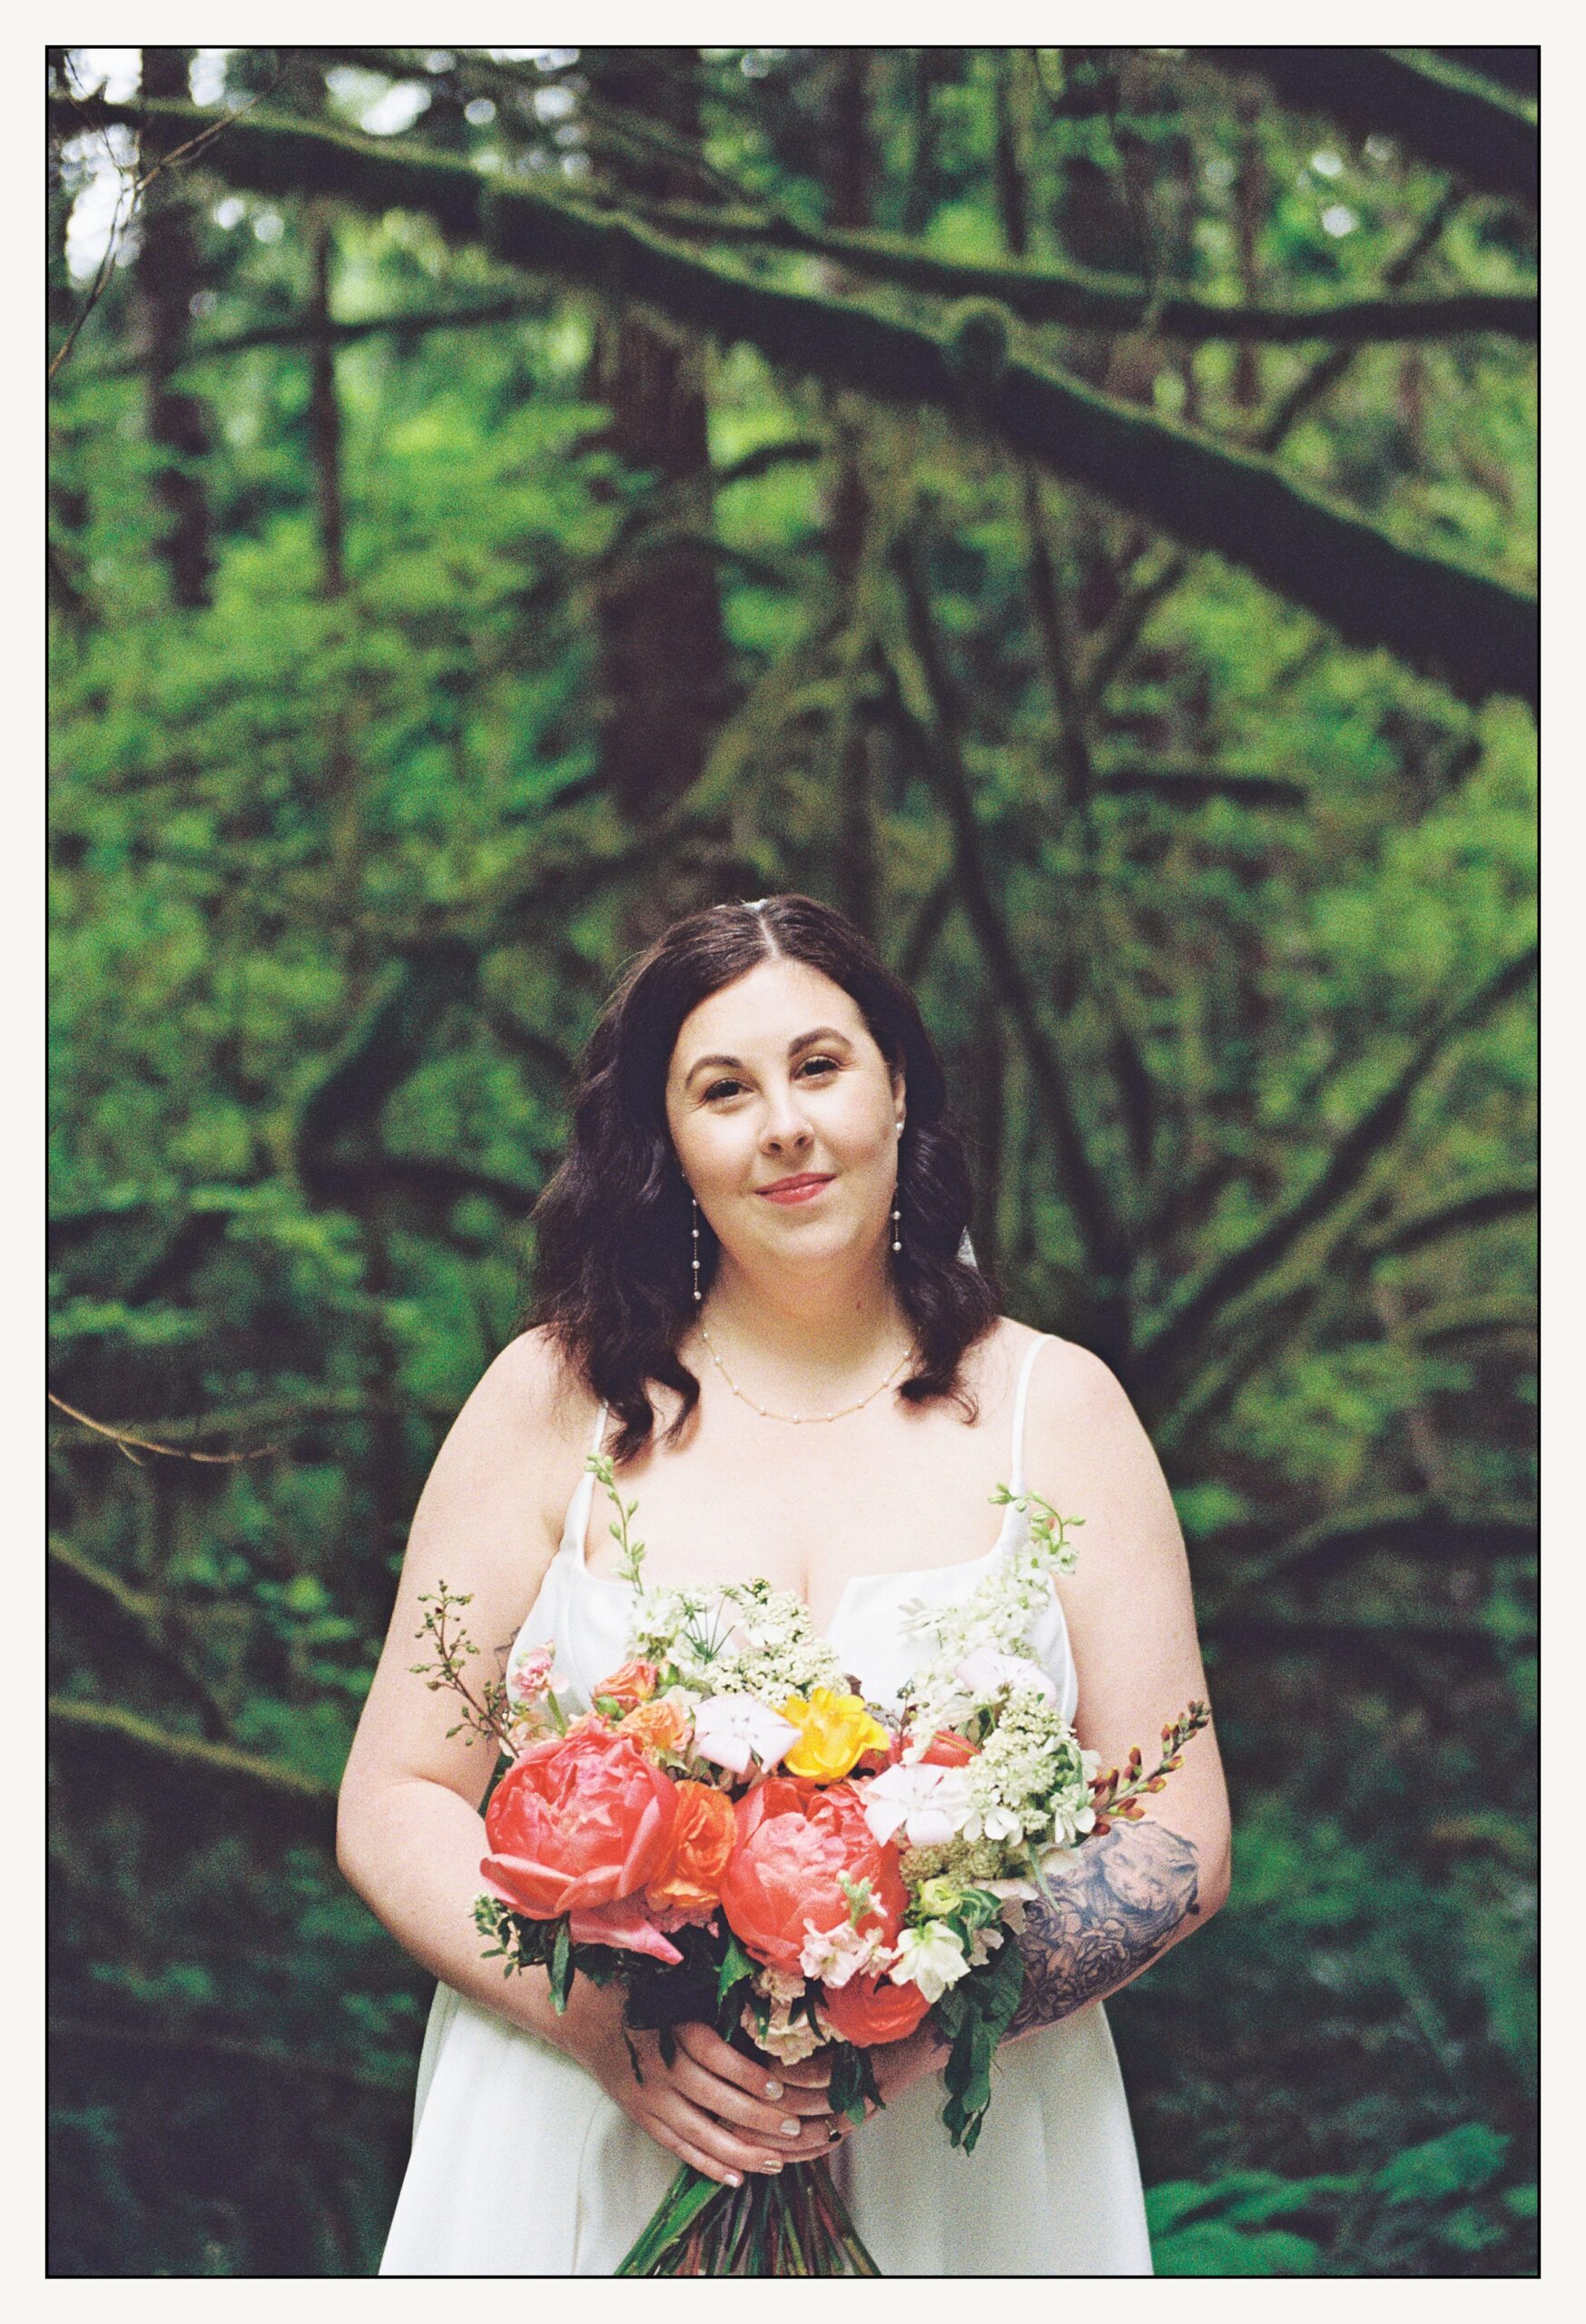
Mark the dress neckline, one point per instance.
(574, 1531)
(573, 1550)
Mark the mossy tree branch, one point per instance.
(1477, 1205)
(157, 1625)
(1153, 583)
(107, 1732)
(1486, 134)
(1403, 1525)
(1043, 291)
(295, 331)
(1472, 629)
(1241, 1272)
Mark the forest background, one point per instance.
(1074, 510)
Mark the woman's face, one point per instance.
(777, 1077)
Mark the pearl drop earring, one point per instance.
(694, 1199)
(897, 1232)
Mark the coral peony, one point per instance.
(797, 1841)
(873, 2009)
(580, 1821)
(704, 1830)
(625, 1927)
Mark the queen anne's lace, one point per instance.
(745, 1638)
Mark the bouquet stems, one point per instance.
(795, 2224)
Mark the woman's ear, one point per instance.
(900, 1094)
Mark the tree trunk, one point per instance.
(169, 278)
(663, 654)
(324, 411)
(846, 169)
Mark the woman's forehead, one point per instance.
(759, 1009)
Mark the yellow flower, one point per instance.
(836, 1732)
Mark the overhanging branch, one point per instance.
(1474, 631)
(1481, 132)
(1230, 1278)
(1080, 300)
(308, 1806)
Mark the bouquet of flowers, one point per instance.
(736, 1835)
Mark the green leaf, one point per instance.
(1211, 2248)
(735, 1966)
(1453, 2164)
(561, 1966)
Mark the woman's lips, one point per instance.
(806, 1193)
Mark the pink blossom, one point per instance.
(834, 1956)
(530, 1676)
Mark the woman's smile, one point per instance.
(803, 1188)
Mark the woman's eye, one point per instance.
(823, 1065)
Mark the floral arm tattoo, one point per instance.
(1114, 1910)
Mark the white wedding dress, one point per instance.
(522, 2166)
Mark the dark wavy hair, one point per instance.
(612, 1286)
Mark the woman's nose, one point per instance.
(785, 1123)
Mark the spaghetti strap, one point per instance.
(576, 1523)
(1016, 1483)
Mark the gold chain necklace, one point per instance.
(799, 1420)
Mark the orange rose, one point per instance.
(633, 1684)
(702, 1833)
(656, 1727)
(867, 2010)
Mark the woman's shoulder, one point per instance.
(532, 1406)
(1069, 1384)
(534, 1372)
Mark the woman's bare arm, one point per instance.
(409, 1834)
(1121, 1900)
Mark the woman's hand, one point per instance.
(899, 2064)
(712, 2107)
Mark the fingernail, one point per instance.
(774, 2090)
(789, 2128)
(771, 2164)
(733, 2179)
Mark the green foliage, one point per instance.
(340, 878)
(1438, 2198)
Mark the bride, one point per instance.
(752, 1293)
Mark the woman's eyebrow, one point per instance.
(821, 1033)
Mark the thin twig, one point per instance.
(124, 1441)
(130, 195)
